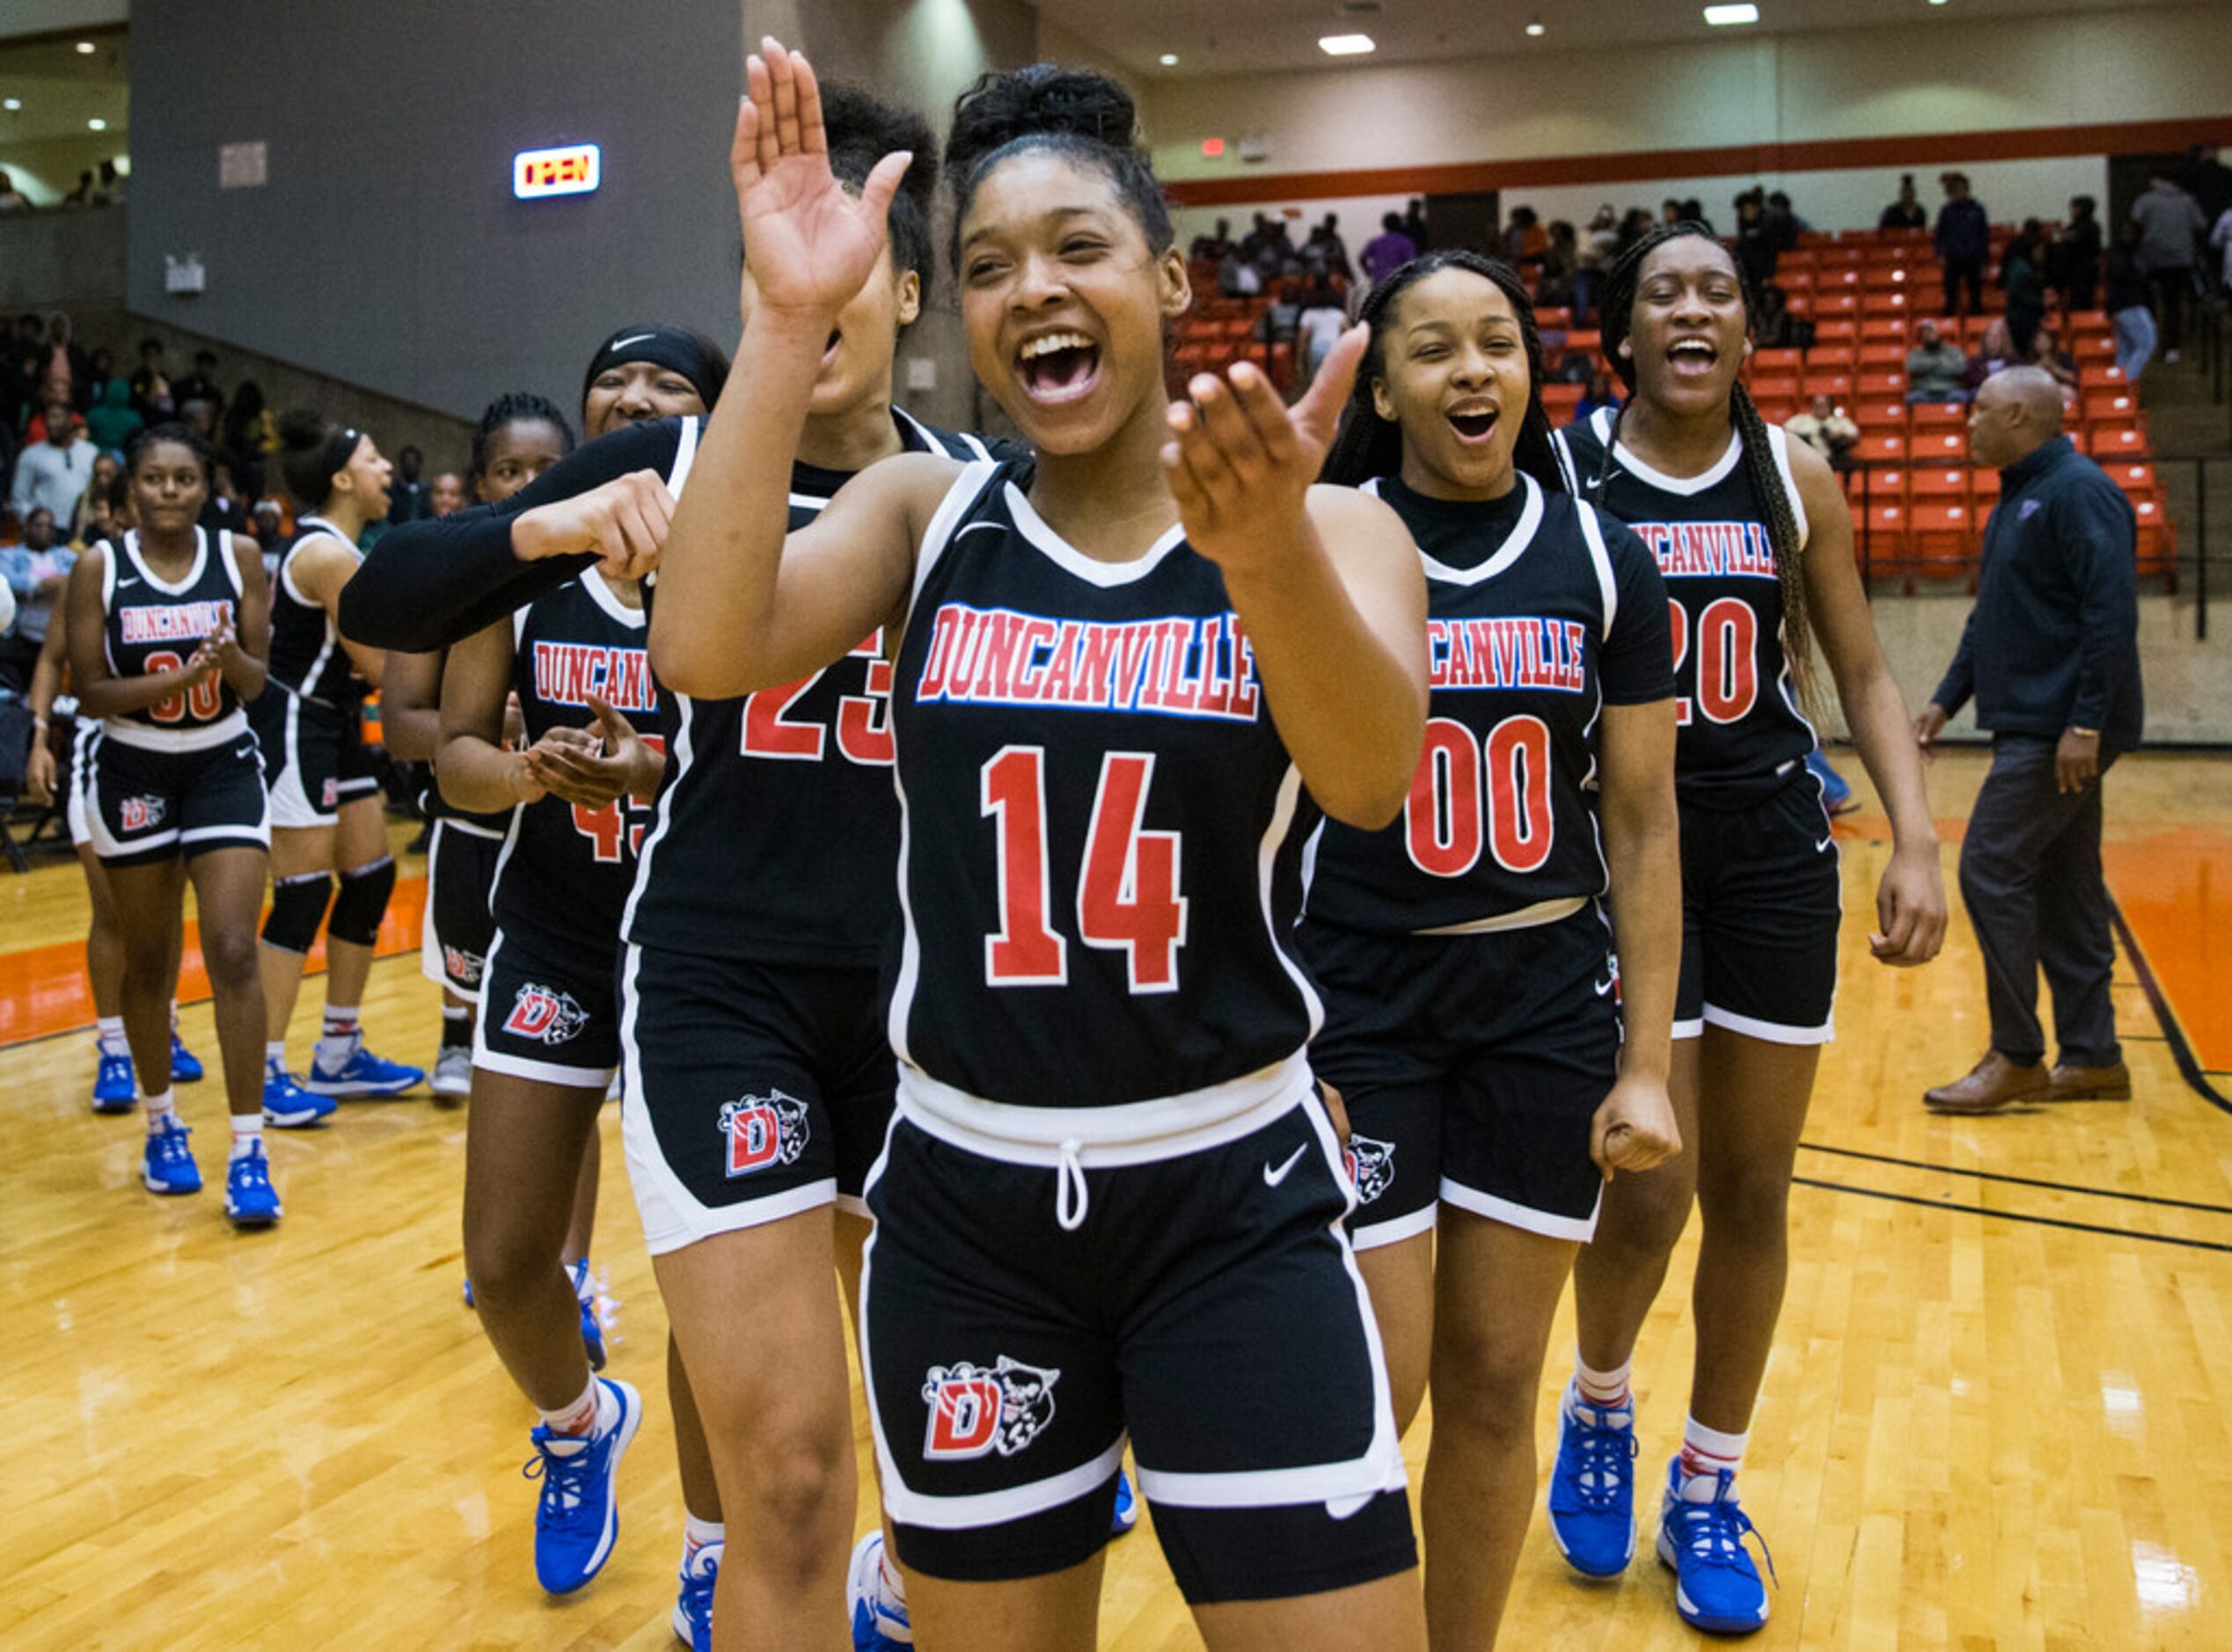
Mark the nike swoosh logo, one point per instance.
(1604, 987)
(1272, 1178)
(1824, 844)
(633, 338)
(120, 584)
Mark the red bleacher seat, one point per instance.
(1554, 315)
(2157, 546)
(1886, 484)
(1836, 332)
(1838, 277)
(1837, 383)
(1880, 381)
(1879, 357)
(1934, 415)
(2137, 479)
(1587, 340)
(1881, 528)
(1942, 535)
(2092, 347)
(2099, 376)
(1882, 447)
(1838, 254)
(1875, 413)
(1939, 447)
(1984, 485)
(1775, 361)
(1942, 485)
(2117, 441)
(1835, 305)
(1775, 387)
(1776, 413)
(2111, 406)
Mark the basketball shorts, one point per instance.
(1761, 900)
(1472, 1067)
(461, 872)
(753, 1091)
(548, 1011)
(146, 803)
(1020, 1321)
(315, 756)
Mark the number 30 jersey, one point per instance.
(1742, 733)
(155, 625)
(1540, 613)
(566, 869)
(1102, 830)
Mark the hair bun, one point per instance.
(301, 430)
(862, 129)
(1044, 99)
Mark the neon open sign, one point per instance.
(574, 170)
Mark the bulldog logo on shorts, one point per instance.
(763, 1130)
(331, 794)
(141, 814)
(1371, 1165)
(541, 1012)
(462, 966)
(975, 1410)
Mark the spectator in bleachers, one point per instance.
(1524, 239)
(1386, 251)
(2073, 262)
(1907, 212)
(1560, 259)
(201, 383)
(1414, 223)
(1325, 252)
(1636, 225)
(1598, 248)
(1602, 395)
(1827, 432)
(92, 504)
(12, 199)
(2208, 180)
(1995, 351)
(2220, 238)
(53, 471)
(448, 493)
(1962, 240)
(2171, 226)
(82, 194)
(100, 520)
(250, 430)
(1669, 211)
(111, 185)
(1210, 249)
(1317, 327)
(2048, 356)
(1236, 277)
(2022, 277)
(112, 420)
(63, 369)
(1776, 328)
(36, 572)
(1755, 248)
(19, 379)
(1784, 220)
(151, 386)
(406, 491)
(1693, 211)
(1937, 368)
(2129, 300)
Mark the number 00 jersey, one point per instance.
(1100, 857)
(1541, 613)
(154, 625)
(1741, 728)
(565, 868)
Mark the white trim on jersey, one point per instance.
(1721, 470)
(1600, 559)
(685, 454)
(81, 762)
(930, 441)
(232, 726)
(1778, 442)
(968, 486)
(1514, 546)
(1566, 467)
(606, 595)
(1070, 559)
(1290, 795)
(684, 753)
(192, 575)
(903, 986)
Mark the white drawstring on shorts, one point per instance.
(1071, 1196)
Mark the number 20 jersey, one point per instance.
(1539, 614)
(1102, 830)
(1741, 734)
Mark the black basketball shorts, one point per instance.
(1472, 1067)
(1762, 896)
(460, 874)
(81, 771)
(315, 756)
(1025, 1309)
(152, 797)
(751, 1091)
(548, 1011)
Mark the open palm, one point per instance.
(811, 244)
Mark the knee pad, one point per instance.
(363, 902)
(297, 908)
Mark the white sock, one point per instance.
(174, 1018)
(161, 1111)
(275, 1055)
(108, 1035)
(1705, 1453)
(697, 1533)
(338, 1041)
(893, 1586)
(1604, 1389)
(591, 1414)
(247, 1133)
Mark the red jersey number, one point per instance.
(204, 699)
(863, 720)
(616, 831)
(1728, 668)
(1468, 794)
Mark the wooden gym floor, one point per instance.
(1993, 1418)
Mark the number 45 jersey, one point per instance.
(1102, 831)
(1540, 613)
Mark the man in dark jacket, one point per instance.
(1964, 243)
(2050, 651)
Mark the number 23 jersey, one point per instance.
(1540, 613)
(1102, 830)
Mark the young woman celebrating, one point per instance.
(328, 822)
(1754, 540)
(167, 632)
(1472, 1025)
(1111, 1203)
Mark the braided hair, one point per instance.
(515, 407)
(1616, 316)
(1367, 445)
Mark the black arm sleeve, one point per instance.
(428, 584)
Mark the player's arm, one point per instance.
(320, 568)
(411, 707)
(1910, 901)
(472, 765)
(243, 654)
(100, 694)
(46, 688)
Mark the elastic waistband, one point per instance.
(230, 726)
(1526, 918)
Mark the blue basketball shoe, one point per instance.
(1716, 1588)
(185, 1067)
(1127, 1507)
(287, 1105)
(578, 1515)
(880, 1622)
(169, 1167)
(1592, 1487)
(1836, 791)
(693, 1606)
(250, 1200)
(114, 1089)
(362, 1074)
(592, 1328)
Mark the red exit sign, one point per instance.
(574, 170)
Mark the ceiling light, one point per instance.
(1722, 17)
(1535, 28)
(85, 48)
(1168, 60)
(12, 104)
(97, 125)
(1346, 45)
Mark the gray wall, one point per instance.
(386, 249)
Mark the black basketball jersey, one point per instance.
(1099, 859)
(566, 869)
(1742, 731)
(1541, 613)
(776, 829)
(153, 625)
(307, 659)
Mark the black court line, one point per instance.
(2173, 1034)
(2015, 1216)
(2023, 1182)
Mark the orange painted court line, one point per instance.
(43, 990)
(2175, 887)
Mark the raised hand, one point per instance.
(1241, 463)
(595, 766)
(811, 243)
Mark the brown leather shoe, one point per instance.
(2065, 1083)
(1993, 1083)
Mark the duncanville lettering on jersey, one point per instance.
(567, 673)
(1178, 667)
(173, 621)
(1512, 652)
(1701, 550)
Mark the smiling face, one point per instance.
(1687, 332)
(635, 392)
(169, 488)
(1454, 376)
(1065, 301)
(856, 362)
(364, 478)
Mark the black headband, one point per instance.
(340, 447)
(675, 348)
